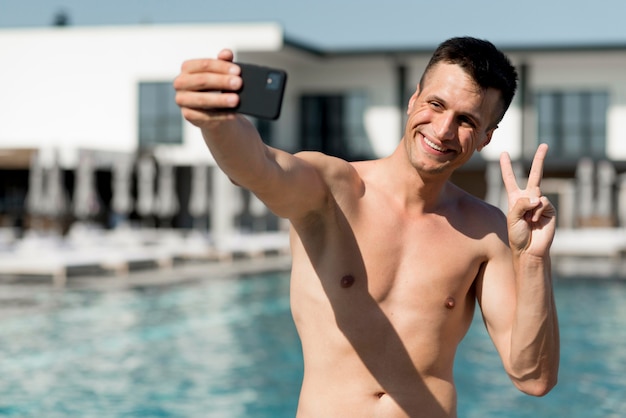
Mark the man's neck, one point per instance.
(422, 192)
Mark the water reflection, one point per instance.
(189, 350)
(227, 348)
(592, 318)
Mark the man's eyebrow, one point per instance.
(436, 98)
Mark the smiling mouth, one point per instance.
(435, 146)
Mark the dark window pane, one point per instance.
(573, 120)
(334, 124)
(573, 123)
(546, 112)
(599, 105)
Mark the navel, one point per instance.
(347, 281)
(450, 302)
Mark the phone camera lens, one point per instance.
(273, 81)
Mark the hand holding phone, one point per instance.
(261, 94)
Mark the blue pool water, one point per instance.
(226, 347)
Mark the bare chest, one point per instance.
(409, 268)
(404, 259)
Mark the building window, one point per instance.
(573, 123)
(334, 125)
(160, 120)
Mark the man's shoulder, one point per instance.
(479, 214)
(471, 201)
(337, 173)
(323, 162)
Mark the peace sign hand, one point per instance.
(531, 218)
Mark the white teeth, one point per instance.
(433, 145)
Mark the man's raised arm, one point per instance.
(520, 311)
(288, 185)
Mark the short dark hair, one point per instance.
(482, 61)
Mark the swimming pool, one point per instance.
(226, 347)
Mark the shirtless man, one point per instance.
(389, 257)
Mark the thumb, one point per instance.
(523, 206)
(226, 55)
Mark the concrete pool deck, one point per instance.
(121, 252)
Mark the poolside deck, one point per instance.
(118, 252)
(595, 252)
(590, 252)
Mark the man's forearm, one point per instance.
(535, 346)
(238, 150)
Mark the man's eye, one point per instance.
(467, 121)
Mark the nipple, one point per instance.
(450, 302)
(347, 281)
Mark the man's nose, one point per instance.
(445, 126)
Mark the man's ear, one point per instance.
(413, 99)
(487, 139)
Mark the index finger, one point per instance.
(210, 65)
(508, 176)
(536, 169)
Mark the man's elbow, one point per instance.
(537, 387)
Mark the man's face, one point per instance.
(449, 117)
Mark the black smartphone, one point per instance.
(261, 94)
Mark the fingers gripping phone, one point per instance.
(261, 94)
